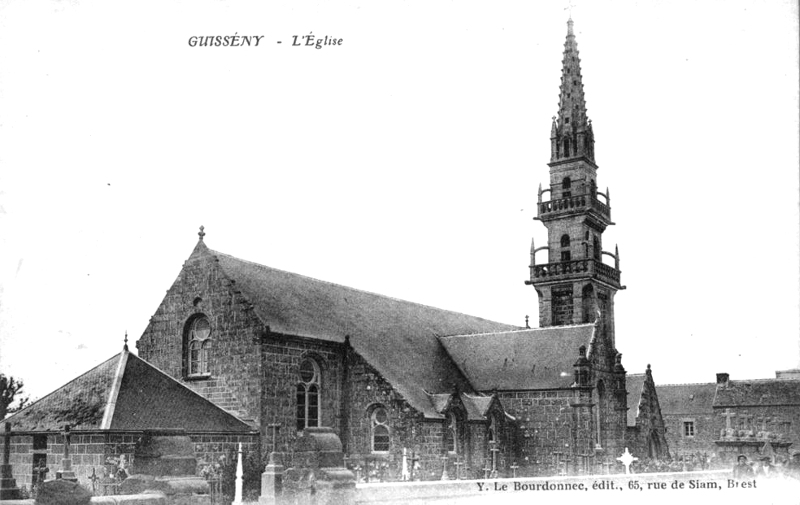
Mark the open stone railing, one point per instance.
(575, 268)
(577, 202)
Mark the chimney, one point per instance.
(722, 378)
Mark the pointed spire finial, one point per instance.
(201, 233)
(616, 256)
(527, 324)
(125, 347)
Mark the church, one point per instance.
(452, 392)
(417, 392)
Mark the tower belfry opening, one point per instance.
(574, 286)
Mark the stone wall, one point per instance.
(366, 390)
(706, 430)
(234, 363)
(88, 451)
(550, 427)
(281, 357)
(92, 451)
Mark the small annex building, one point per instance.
(108, 409)
(720, 420)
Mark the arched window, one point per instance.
(566, 186)
(493, 442)
(601, 406)
(380, 430)
(198, 345)
(451, 434)
(565, 253)
(308, 393)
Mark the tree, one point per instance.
(11, 389)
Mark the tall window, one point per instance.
(199, 344)
(565, 253)
(451, 434)
(601, 418)
(566, 187)
(380, 430)
(308, 395)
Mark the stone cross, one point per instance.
(94, 478)
(66, 472)
(414, 462)
(486, 471)
(494, 450)
(728, 415)
(444, 467)
(8, 486)
(275, 427)
(514, 467)
(458, 464)
(627, 459)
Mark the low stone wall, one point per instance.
(130, 499)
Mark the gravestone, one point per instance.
(165, 461)
(62, 492)
(318, 454)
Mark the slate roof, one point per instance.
(540, 358)
(634, 384)
(686, 398)
(760, 392)
(396, 337)
(125, 393)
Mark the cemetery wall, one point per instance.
(97, 452)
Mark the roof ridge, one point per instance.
(213, 252)
(770, 379)
(517, 331)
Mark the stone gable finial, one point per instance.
(201, 233)
(125, 347)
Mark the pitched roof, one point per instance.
(125, 393)
(476, 406)
(634, 384)
(760, 392)
(540, 358)
(686, 398)
(396, 337)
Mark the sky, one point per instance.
(404, 161)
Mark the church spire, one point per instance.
(571, 135)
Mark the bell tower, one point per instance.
(574, 285)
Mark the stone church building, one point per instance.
(448, 390)
(415, 389)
